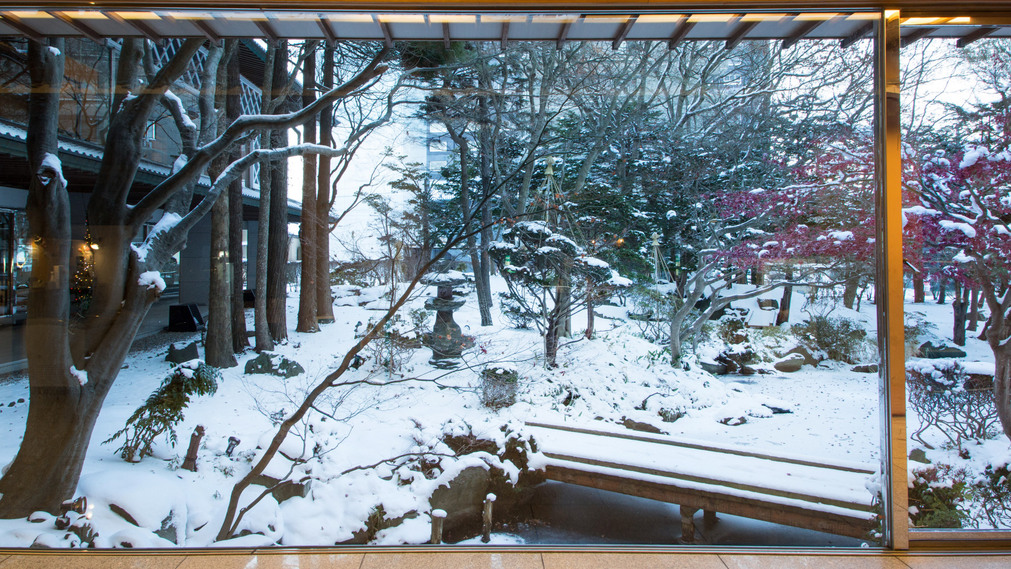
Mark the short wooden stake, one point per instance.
(688, 524)
(438, 517)
(489, 500)
(191, 455)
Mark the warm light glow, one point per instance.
(817, 16)
(503, 18)
(293, 16)
(452, 18)
(920, 21)
(762, 17)
(401, 18)
(138, 15)
(660, 18)
(698, 18)
(350, 17)
(863, 16)
(605, 18)
(29, 14)
(960, 20)
(85, 15)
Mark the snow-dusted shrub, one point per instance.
(163, 409)
(991, 495)
(498, 386)
(650, 309)
(360, 272)
(935, 499)
(840, 339)
(948, 399)
(517, 313)
(393, 347)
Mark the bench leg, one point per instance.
(688, 524)
(708, 518)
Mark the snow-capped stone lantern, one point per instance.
(446, 340)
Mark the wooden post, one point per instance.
(191, 455)
(438, 518)
(708, 518)
(489, 500)
(688, 524)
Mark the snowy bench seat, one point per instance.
(697, 475)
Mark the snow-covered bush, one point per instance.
(163, 409)
(936, 500)
(498, 386)
(951, 401)
(991, 495)
(840, 339)
(517, 313)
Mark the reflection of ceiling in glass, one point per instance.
(558, 27)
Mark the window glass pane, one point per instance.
(574, 279)
(955, 196)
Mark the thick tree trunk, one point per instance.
(850, 290)
(959, 308)
(277, 246)
(973, 310)
(783, 316)
(233, 108)
(218, 341)
(482, 273)
(919, 294)
(551, 341)
(324, 302)
(942, 285)
(308, 232)
(1002, 386)
(261, 328)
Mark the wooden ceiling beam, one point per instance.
(623, 32)
(800, 32)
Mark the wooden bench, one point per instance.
(697, 475)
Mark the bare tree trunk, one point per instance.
(261, 328)
(482, 273)
(233, 108)
(277, 245)
(783, 316)
(324, 302)
(958, 307)
(919, 295)
(218, 341)
(851, 287)
(1002, 386)
(973, 310)
(308, 231)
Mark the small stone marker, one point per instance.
(489, 501)
(438, 517)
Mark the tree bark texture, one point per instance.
(218, 341)
(324, 302)
(264, 340)
(308, 232)
(233, 108)
(277, 246)
(482, 272)
(959, 308)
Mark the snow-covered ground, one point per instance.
(361, 451)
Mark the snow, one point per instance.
(972, 155)
(54, 51)
(80, 375)
(178, 103)
(833, 418)
(51, 163)
(152, 280)
(965, 228)
(166, 223)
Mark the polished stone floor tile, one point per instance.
(811, 562)
(603, 560)
(462, 560)
(89, 560)
(957, 562)
(274, 561)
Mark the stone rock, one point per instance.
(713, 367)
(734, 421)
(463, 497)
(180, 355)
(642, 427)
(121, 512)
(919, 455)
(930, 351)
(168, 530)
(791, 363)
(809, 359)
(273, 364)
(768, 303)
(865, 368)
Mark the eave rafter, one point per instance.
(623, 32)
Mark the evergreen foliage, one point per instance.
(163, 410)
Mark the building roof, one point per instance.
(734, 23)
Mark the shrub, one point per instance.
(163, 409)
(961, 407)
(515, 312)
(991, 495)
(498, 386)
(841, 339)
(934, 503)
